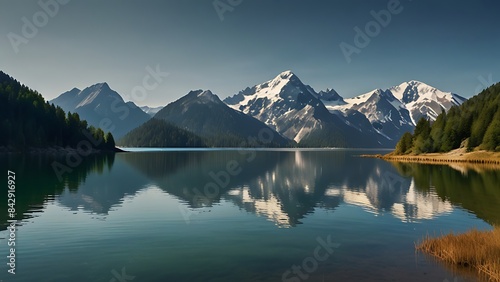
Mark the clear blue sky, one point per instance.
(447, 44)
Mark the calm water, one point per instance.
(238, 216)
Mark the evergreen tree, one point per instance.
(437, 132)
(109, 141)
(159, 133)
(492, 136)
(404, 144)
(422, 142)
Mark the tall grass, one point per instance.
(475, 249)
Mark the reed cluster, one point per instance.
(475, 249)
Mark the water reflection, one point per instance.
(418, 205)
(37, 182)
(285, 187)
(475, 189)
(282, 186)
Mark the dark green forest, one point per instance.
(28, 121)
(159, 133)
(476, 121)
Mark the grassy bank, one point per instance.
(479, 250)
(455, 156)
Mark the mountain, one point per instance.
(159, 133)
(422, 100)
(388, 116)
(331, 98)
(151, 111)
(28, 121)
(204, 114)
(103, 107)
(296, 111)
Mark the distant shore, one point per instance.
(455, 156)
(54, 150)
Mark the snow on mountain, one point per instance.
(419, 99)
(423, 100)
(386, 113)
(296, 111)
(286, 86)
(380, 106)
(284, 103)
(394, 111)
(331, 98)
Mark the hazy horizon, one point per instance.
(226, 47)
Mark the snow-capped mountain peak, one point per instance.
(284, 103)
(274, 87)
(330, 95)
(411, 91)
(286, 74)
(331, 98)
(423, 100)
(284, 87)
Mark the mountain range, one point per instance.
(292, 111)
(375, 119)
(396, 110)
(296, 111)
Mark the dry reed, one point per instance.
(479, 250)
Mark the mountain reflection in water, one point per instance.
(282, 186)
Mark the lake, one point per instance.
(238, 215)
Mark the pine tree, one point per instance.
(109, 141)
(437, 131)
(492, 136)
(405, 144)
(422, 142)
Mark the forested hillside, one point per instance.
(27, 120)
(476, 121)
(159, 133)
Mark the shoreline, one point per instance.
(54, 150)
(458, 156)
